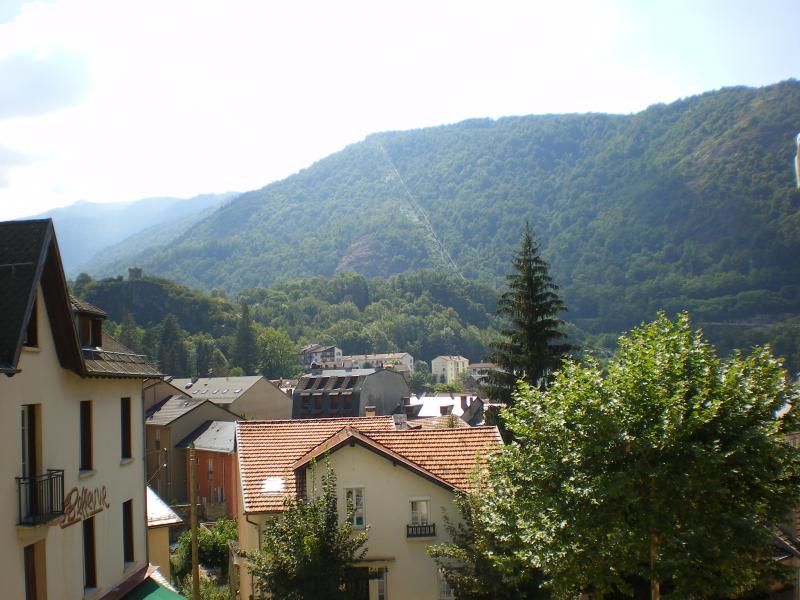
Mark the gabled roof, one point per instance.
(267, 450)
(220, 390)
(29, 257)
(440, 422)
(350, 436)
(213, 436)
(82, 307)
(172, 408)
(270, 451)
(159, 513)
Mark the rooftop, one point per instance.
(213, 436)
(220, 390)
(170, 409)
(158, 512)
(269, 450)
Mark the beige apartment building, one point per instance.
(447, 369)
(73, 507)
(400, 480)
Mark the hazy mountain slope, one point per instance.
(687, 205)
(86, 229)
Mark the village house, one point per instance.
(73, 509)
(401, 481)
(214, 444)
(467, 407)
(447, 369)
(480, 371)
(252, 397)
(319, 354)
(167, 423)
(349, 393)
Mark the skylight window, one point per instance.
(272, 485)
(237, 391)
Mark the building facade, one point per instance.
(447, 369)
(401, 482)
(74, 506)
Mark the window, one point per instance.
(89, 569)
(32, 332)
(420, 512)
(127, 530)
(211, 469)
(125, 426)
(355, 499)
(86, 435)
(382, 585)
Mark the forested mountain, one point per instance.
(425, 313)
(682, 206)
(87, 230)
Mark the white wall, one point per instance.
(59, 393)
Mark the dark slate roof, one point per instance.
(29, 256)
(170, 409)
(116, 360)
(84, 308)
(214, 436)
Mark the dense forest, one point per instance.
(424, 313)
(688, 205)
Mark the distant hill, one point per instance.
(86, 230)
(688, 205)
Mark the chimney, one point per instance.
(369, 411)
(446, 409)
(464, 404)
(405, 400)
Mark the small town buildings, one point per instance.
(214, 444)
(447, 369)
(379, 361)
(467, 407)
(480, 371)
(167, 423)
(319, 354)
(349, 393)
(252, 397)
(400, 480)
(160, 518)
(73, 510)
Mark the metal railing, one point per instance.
(421, 530)
(40, 498)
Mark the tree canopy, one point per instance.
(531, 345)
(671, 468)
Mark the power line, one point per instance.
(416, 209)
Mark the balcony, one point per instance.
(417, 531)
(41, 498)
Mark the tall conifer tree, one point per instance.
(531, 347)
(245, 348)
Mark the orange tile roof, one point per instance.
(267, 452)
(267, 449)
(451, 454)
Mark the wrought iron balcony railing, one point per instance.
(413, 531)
(40, 498)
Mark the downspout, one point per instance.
(258, 527)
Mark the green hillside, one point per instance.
(682, 206)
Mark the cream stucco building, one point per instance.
(400, 479)
(73, 506)
(447, 369)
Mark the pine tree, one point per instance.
(245, 348)
(530, 348)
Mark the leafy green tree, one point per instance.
(245, 347)
(212, 545)
(204, 348)
(306, 554)
(467, 563)
(129, 334)
(420, 377)
(279, 355)
(672, 468)
(530, 349)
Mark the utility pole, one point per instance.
(193, 518)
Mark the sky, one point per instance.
(117, 100)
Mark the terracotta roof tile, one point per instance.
(268, 449)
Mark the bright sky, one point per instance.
(111, 100)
